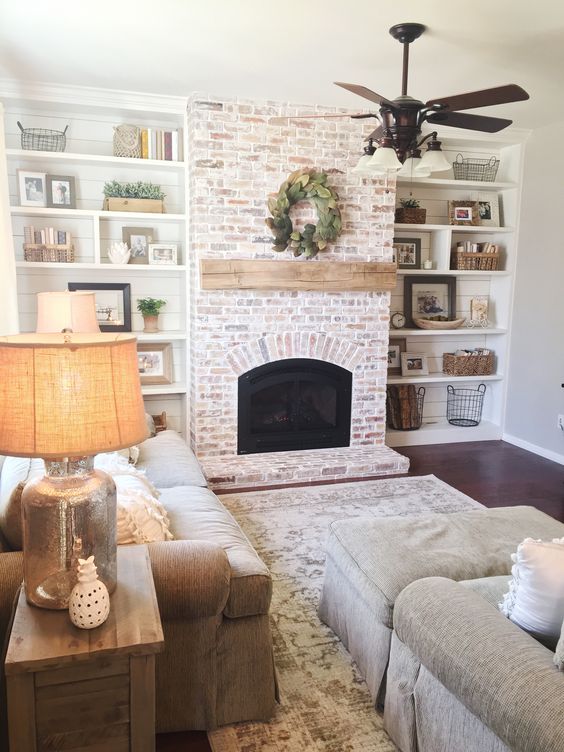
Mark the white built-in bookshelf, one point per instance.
(88, 157)
(438, 239)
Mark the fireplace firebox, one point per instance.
(297, 403)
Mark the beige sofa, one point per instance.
(214, 594)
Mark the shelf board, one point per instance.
(455, 272)
(461, 331)
(439, 431)
(156, 389)
(163, 334)
(61, 156)
(440, 378)
(477, 185)
(42, 211)
(91, 265)
(477, 229)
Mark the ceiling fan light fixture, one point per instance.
(385, 158)
(412, 166)
(363, 165)
(434, 159)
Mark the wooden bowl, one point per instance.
(428, 324)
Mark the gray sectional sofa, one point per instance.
(214, 595)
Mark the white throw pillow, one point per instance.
(559, 654)
(141, 518)
(535, 601)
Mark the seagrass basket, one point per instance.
(468, 365)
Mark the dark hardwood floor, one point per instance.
(492, 472)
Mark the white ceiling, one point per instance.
(291, 50)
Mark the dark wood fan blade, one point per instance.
(362, 91)
(376, 135)
(483, 98)
(472, 122)
(282, 119)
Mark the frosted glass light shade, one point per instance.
(69, 395)
(434, 161)
(385, 159)
(412, 168)
(364, 167)
(66, 310)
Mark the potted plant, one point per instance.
(149, 309)
(410, 212)
(133, 197)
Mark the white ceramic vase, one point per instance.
(89, 603)
(119, 253)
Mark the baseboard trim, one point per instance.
(541, 451)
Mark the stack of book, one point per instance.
(159, 144)
(476, 256)
(46, 236)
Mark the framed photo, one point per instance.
(32, 188)
(138, 240)
(463, 212)
(163, 253)
(113, 304)
(429, 298)
(396, 346)
(154, 362)
(407, 253)
(414, 364)
(479, 306)
(488, 208)
(61, 192)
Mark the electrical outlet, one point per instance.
(561, 422)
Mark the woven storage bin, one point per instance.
(55, 253)
(410, 216)
(466, 261)
(468, 365)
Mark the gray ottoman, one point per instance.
(370, 561)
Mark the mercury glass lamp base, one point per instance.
(68, 514)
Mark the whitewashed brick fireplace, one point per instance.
(237, 158)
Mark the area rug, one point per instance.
(325, 704)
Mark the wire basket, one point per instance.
(404, 407)
(43, 139)
(475, 169)
(464, 406)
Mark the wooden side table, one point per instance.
(88, 690)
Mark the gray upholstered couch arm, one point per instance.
(192, 578)
(11, 576)
(502, 675)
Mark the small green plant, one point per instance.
(410, 203)
(150, 306)
(115, 189)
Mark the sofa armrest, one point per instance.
(191, 578)
(11, 576)
(500, 673)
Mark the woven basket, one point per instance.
(63, 254)
(466, 261)
(410, 216)
(127, 141)
(468, 365)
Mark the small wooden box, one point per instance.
(148, 205)
(86, 690)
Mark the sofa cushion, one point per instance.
(170, 462)
(490, 588)
(197, 514)
(16, 471)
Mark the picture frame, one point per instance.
(427, 297)
(155, 362)
(32, 188)
(414, 364)
(488, 209)
(138, 240)
(113, 304)
(407, 253)
(164, 254)
(463, 212)
(396, 346)
(61, 192)
(479, 310)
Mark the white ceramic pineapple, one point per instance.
(119, 253)
(89, 603)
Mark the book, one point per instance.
(174, 146)
(144, 144)
(168, 145)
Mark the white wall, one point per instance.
(536, 366)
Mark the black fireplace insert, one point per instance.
(298, 403)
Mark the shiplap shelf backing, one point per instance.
(330, 276)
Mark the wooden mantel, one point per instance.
(264, 274)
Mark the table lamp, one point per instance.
(64, 398)
(66, 311)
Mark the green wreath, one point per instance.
(304, 185)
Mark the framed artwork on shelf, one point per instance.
(488, 209)
(163, 253)
(429, 297)
(61, 193)
(396, 346)
(463, 212)
(32, 188)
(113, 304)
(154, 361)
(479, 307)
(407, 253)
(414, 364)
(138, 240)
